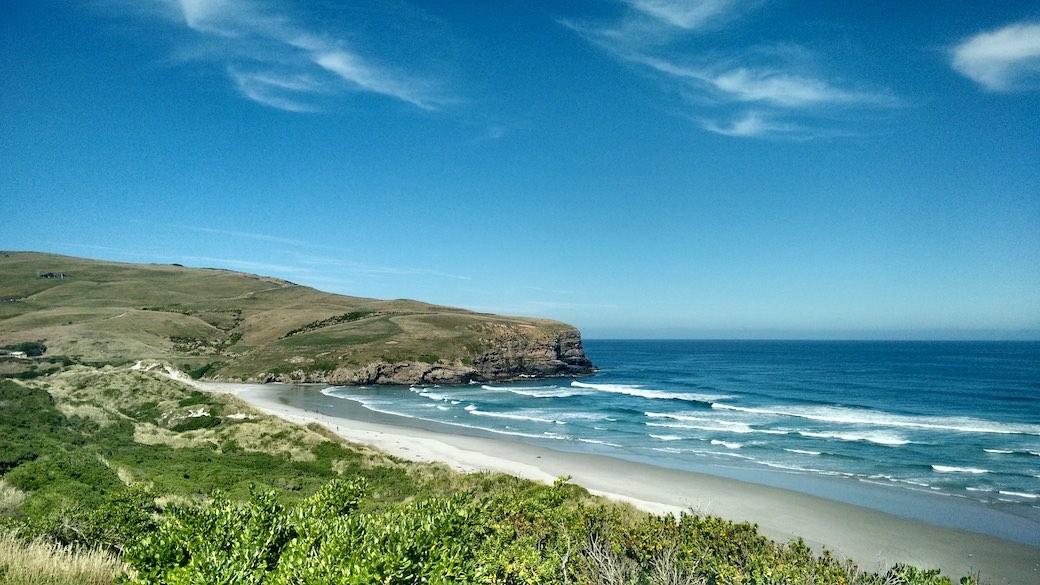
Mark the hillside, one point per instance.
(234, 326)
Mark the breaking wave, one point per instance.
(640, 391)
(887, 439)
(472, 409)
(951, 469)
(860, 416)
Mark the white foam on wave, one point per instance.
(1019, 494)
(531, 417)
(514, 388)
(900, 480)
(727, 444)
(371, 406)
(803, 451)
(598, 442)
(887, 439)
(1000, 451)
(667, 449)
(860, 416)
(666, 437)
(952, 469)
(552, 392)
(640, 391)
(701, 424)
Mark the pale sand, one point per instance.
(873, 539)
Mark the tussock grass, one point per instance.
(10, 498)
(43, 563)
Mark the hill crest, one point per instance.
(230, 325)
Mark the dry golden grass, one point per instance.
(10, 497)
(42, 563)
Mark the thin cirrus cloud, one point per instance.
(1004, 59)
(747, 125)
(689, 14)
(735, 94)
(273, 61)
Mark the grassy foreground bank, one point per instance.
(126, 476)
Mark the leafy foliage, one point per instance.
(196, 422)
(527, 535)
(233, 504)
(336, 320)
(29, 348)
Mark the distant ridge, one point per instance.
(229, 325)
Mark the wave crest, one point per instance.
(641, 392)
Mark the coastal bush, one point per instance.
(199, 372)
(525, 535)
(336, 320)
(195, 423)
(29, 348)
(262, 501)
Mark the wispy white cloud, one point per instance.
(272, 60)
(721, 82)
(270, 90)
(748, 125)
(770, 86)
(686, 14)
(1004, 59)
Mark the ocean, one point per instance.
(946, 432)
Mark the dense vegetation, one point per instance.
(29, 348)
(105, 473)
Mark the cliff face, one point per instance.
(514, 358)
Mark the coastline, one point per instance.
(875, 540)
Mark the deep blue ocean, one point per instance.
(959, 420)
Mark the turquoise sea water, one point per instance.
(947, 432)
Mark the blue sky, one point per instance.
(640, 168)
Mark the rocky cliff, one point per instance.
(513, 358)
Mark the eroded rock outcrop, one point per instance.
(512, 358)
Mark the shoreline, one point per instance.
(874, 540)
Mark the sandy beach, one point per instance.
(875, 540)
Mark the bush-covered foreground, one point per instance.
(521, 535)
(110, 476)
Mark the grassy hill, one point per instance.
(233, 325)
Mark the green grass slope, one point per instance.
(234, 325)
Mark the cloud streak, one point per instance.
(1002, 60)
(273, 61)
(769, 86)
(755, 99)
(749, 125)
(685, 14)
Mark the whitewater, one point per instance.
(953, 420)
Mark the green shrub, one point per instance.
(195, 423)
(30, 348)
(201, 371)
(195, 398)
